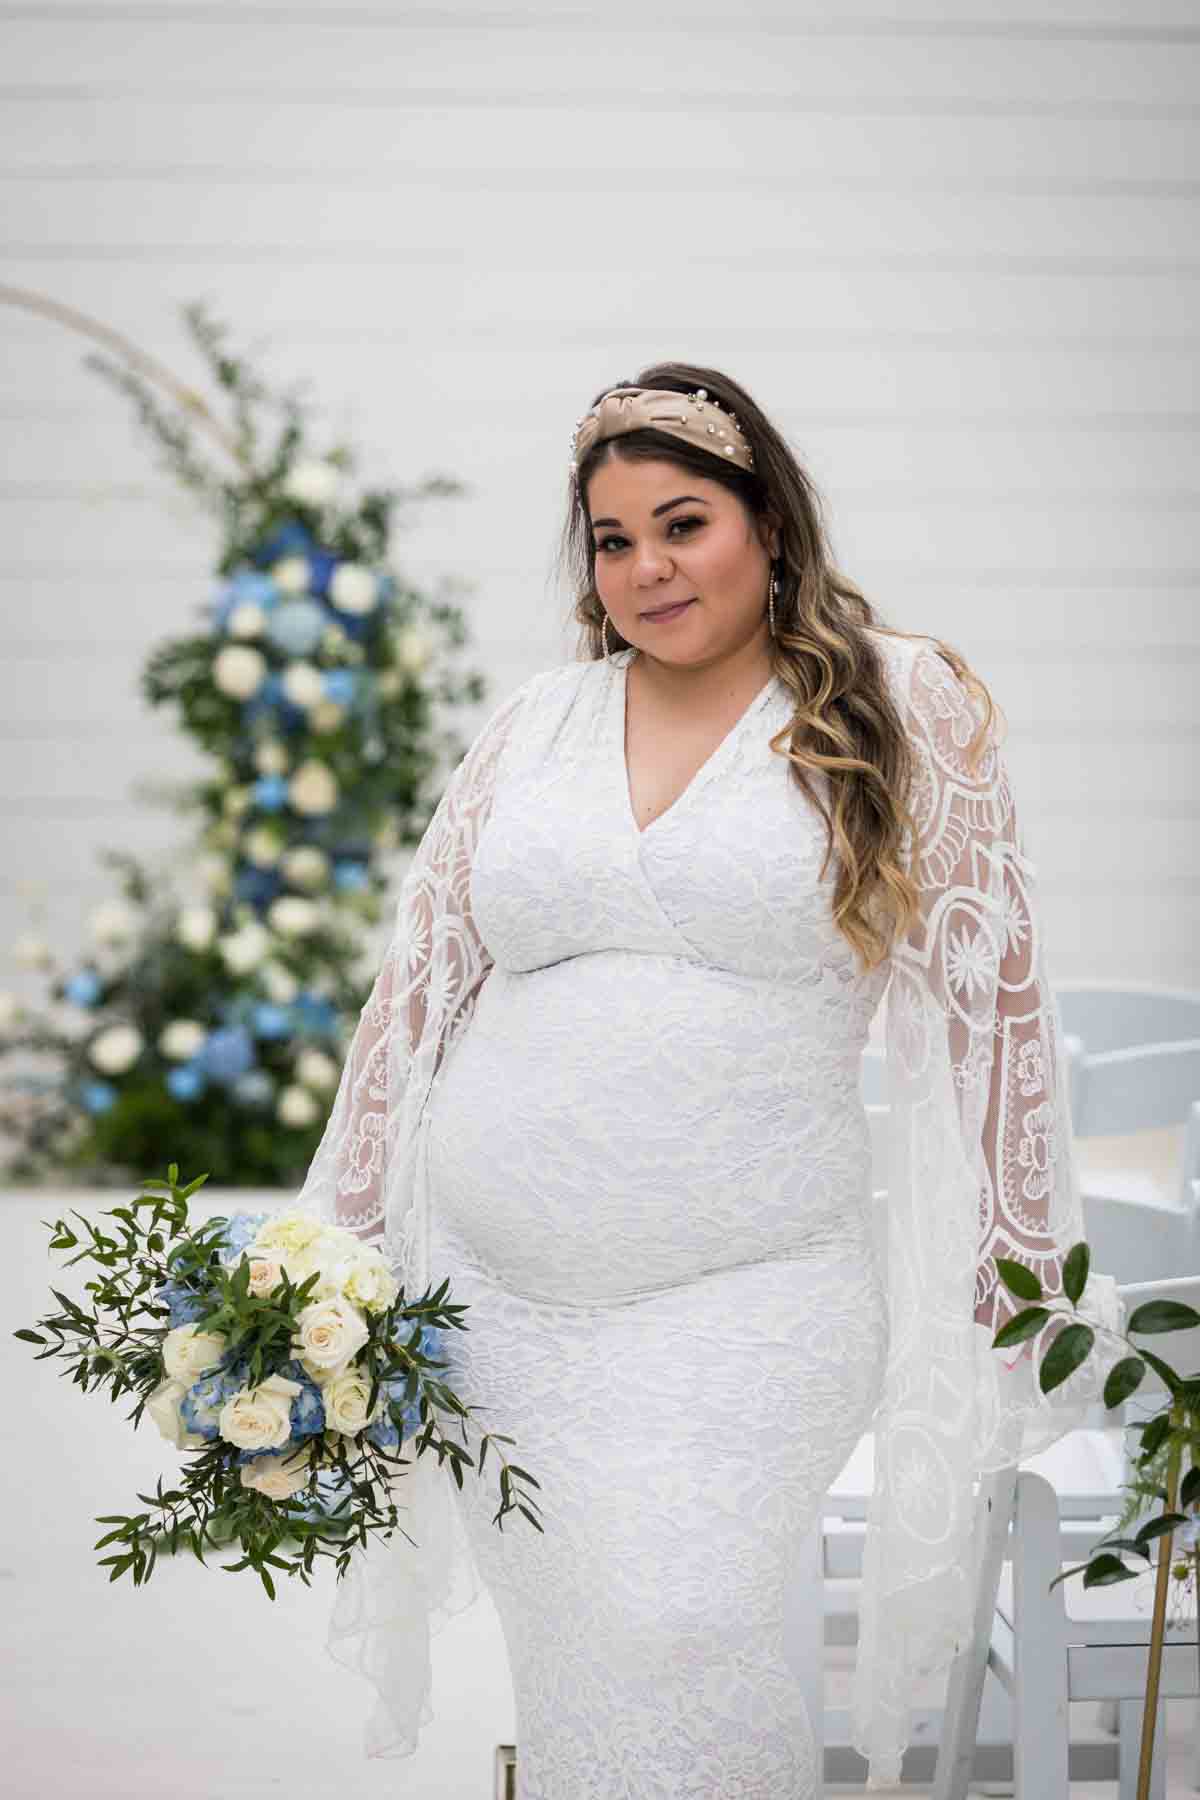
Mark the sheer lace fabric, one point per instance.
(607, 1082)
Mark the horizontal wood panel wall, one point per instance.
(952, 246)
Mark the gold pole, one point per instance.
(1158, 1625)
(185, 396)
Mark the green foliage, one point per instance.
(278, 506)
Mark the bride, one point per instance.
(607, 1083)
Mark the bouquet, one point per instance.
(280, 1354)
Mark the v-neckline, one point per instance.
(708, 767)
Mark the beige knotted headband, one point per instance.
(693, 417)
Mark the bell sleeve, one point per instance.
(980, 1165)
(369, 1175)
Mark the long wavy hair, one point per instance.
(845, 724)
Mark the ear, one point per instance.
(769, 528)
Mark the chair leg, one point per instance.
(1041, 1714)
(1131, 1749)
(964, 1688)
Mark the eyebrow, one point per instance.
(665, 507)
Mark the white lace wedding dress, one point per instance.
(608, 1084)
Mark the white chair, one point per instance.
(1047, 1646)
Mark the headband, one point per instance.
(693, 417)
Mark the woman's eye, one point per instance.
(603, 543)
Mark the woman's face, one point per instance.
(662, 534)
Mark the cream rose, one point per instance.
(189, 1352)
(291, 574)
(302, 684)
(163, 1407)
(345, 1398)
(279, 1477)
(260, 1418)
(329, 1333)
(289, 1231)
(313, 788)
(116, 1049)
(366, 1281)
(354, 589)
(181, 1039)
(196, 926)
(239, 670)
(296, 1107)
(266, 1273)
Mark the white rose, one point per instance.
(306, 867)
(163, 1407)
(271, 758)
(313, 788)
(263, 846)
(189, 1352)
(326, 715)
(345, 1398)
(413, 648)
(334, 640)
(316, 1070)
(117, 1049)
(281, 985)
(32, 952)
(196, 927)
(296, 1106)
(266, 1273)
(354, 589)
(329, 1333)
(292, 916)
(389, 684)
(181, 1039)
(260, 1418)
(290, 574)
(235, 801)
(247, 620)
(366, 1281)
(242, 950)
(313, 481)
(10, 1011)
(279, 1477)
(303, 685)
(114, 923)
(214, 873)
(239, 671)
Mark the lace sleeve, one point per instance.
(980, 1165)
(423, 997)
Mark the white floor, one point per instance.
(196, 1686)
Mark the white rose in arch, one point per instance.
(326, 715)
(413, 648)
(313, 481)
(116, 1049)
(163, 1407)
(329, 1332)
(196, 927)
(180, 1039)
(279, 1477)
(260, 1418)
(247, 620)
(290, 574)
(303, 685)
(32, 952)
(313, 788)
(281, 985)
(235, 801)
(263, 846)
(296, 1106)
(293, 916)
(114, 922)
(271, 758)
(316, 1070)
(239, 670)
(245, 948)
(306, 867)
(354, 589)
(189, 1352)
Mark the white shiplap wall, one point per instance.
(951, 247)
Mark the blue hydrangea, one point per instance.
(315, 1013)
(257, 887)
(289, 539)
(350, 877)
(84, 988)
(308, 1406)
(270, 793)
(201, 1406)
(186, 1305)
(98, 1096)
(341, 685)
(270, 1021)
(187, 1082)
(238, 1231)
(227, 1053)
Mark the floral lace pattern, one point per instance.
(607, 1083)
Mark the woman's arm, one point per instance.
(432, 970)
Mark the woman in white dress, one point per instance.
(608, 1084)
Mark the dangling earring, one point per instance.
(771, 601)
